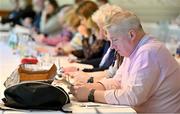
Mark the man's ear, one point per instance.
(132, 34)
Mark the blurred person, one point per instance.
(27, 14)
(72, 23)
(13, 14)
(22, 14)
(88, 8)
(49, 23)
(148, 78)
(64, 35)
(93, 47)
(38, 6)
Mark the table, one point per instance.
(106, 109)
(79, 111)
(9, 62)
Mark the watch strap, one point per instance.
(91, 95)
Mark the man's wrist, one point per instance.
(91, 95)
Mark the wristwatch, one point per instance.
(91, 95)
(90, 80)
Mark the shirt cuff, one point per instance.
(110, 97)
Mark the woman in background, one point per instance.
(49, 24)
(72, 22)
(94, 47)
(64, 35)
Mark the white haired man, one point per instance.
(147, 80)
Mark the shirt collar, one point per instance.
(141, 42)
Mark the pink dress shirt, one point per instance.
(148, 80)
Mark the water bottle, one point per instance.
(13, 40)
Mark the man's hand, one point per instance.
(81, 92)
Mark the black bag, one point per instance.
(35, 95)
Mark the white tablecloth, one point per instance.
(94, 108)
(8, 62)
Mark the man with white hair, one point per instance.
(147, 80)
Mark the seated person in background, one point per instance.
(22, 14)
(148, 78)
(72, 23)
(13, 14)
(93, 47)
(38, 6)
(49, 23)
(84, 29)
(65, 34)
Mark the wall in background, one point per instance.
(5, 5)
(152, 10)
(65, 1)
(147, 10)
